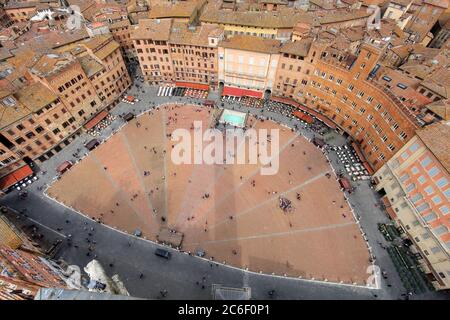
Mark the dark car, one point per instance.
(92, 144)
(163, 253)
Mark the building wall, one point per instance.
(231, 30)
(122, 35)
(38, 132)
(359, 107)
(423, 20)
(111, 83)
(293, 73)
(76, 91)
(19, 14)
(154, 60)
(29, 267)
(194, 63)
(440, 39)
(246, 69)
(418, 190)
(5, 21)
(394, 11)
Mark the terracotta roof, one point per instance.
(340, 16)
(51, 62)
(251, 43)
(120, 24)
(181, 34)
(35, 96)
(21, 4)
(178, 10)
(438, 3)
(274, 1)
(436, 137)
(299, 48)
(90, 65)
(441, 108)
(9, 115)
(440, 89)
(154, 29)
(107, 50)
(282, 19)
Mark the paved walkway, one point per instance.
(131, 256)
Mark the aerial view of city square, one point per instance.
(175, 150)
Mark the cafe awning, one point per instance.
(192, 85)
(310, 111)
(388, 207)
(14, 177)
(318, 142)
(209, 103)
(95, 120)
(368, 168)
(345, 184)
(303, 116)
(238, 92)
(64, 166)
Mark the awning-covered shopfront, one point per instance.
(14, 177)
(388, 207)
(361, 156)
(239, 92)
(345, 184)
(95, 120)
(304, 108)
(303, 116)
(192, 85)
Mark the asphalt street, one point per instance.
(184, 276)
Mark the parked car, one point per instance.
(163, 253)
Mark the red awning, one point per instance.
(312, 112)
(388, 207)
(64, 166)
(345, 183)
(238, 92)
(209, 103)
(358, 151)
(368, 168)
(191, 85)
(303, 116)
(391, 213)
(15, 177)
(95, 120)
(129, 98)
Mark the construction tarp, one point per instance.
(238, 92)
(95, 120)
(16, 176)
(192, 85)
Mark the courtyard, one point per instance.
(130, 182)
